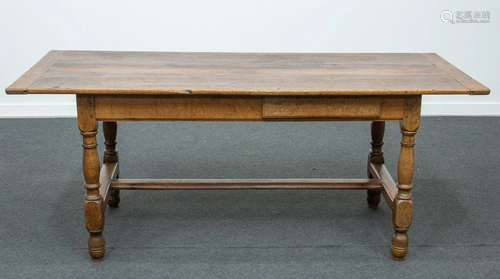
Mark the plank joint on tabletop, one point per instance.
(475, 87)
(21, 85)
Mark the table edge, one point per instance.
(250, 93)
(474, 86)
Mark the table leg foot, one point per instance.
(399, 246)
(114, 198)
(373, 198)
(96, 246)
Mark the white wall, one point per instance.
(28, 29)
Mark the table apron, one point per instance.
(247, 108)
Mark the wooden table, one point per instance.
(168, 86)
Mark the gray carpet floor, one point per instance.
(250, 234)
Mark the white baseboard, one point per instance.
(55, 110)
(59, 110)
(460, 109)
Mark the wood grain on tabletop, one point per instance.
(108, 72)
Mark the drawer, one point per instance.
(321, 107)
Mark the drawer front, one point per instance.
(321, 107)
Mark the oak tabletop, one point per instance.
(114, 72)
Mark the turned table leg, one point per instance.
(94, 215)
(111, 156)
(376, 156)
(402, 213)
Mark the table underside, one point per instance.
(259, 108)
